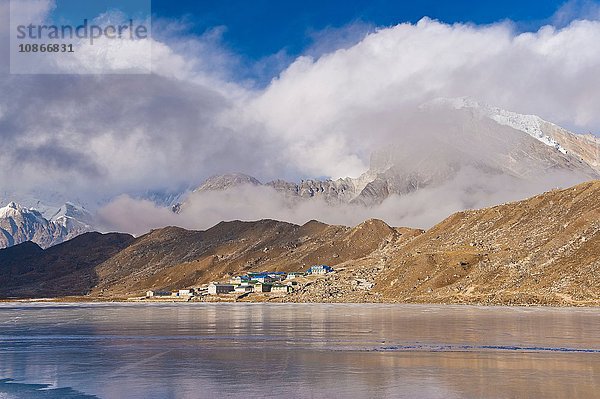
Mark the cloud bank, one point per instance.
(420, 209)
(97, 137)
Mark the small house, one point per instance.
(319, 269)
(261, 287)
(151, 294)
(216, 288)
(281, 289)
(239, 280)
(186, 292)
(294, 275)
(242, 289)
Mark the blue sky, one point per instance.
(259, 28)
(75, 11)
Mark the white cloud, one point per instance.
(102, 136)
(137, 217)
(576, 10)
(469, 189)
(316, 104)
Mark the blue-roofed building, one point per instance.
(319, 269)
(253, 275)
(263, 277)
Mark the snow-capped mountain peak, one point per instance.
(9, 210)
(530, 124)
(19, 224)
(13, 210)
(73, 217)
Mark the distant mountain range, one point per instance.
(461, 134)
(19, 224)
(458, 135)
(543, 250)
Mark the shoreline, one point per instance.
(80, 300)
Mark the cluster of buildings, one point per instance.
(262, 282)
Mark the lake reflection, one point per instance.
(297, 351)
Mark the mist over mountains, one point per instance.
(449, 155)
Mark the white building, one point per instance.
(319, 269)
(216, 288)
(281, 289)
(260, 287)
(293, 275)
(244, 288)
(151, 294)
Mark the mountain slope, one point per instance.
(542, 250)
(65, 269)
(172, 257)
(584, 147)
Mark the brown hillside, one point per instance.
(172, 258)
(542, 250)
(66, 269)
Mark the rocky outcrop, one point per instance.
(227, 181)
(331, 191)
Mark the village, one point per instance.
(238, 287)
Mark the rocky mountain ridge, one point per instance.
(19, 224)
(460, 135)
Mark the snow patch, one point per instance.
(530, 124)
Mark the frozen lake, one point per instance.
(297, 351)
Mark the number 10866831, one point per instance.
(45, 48)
